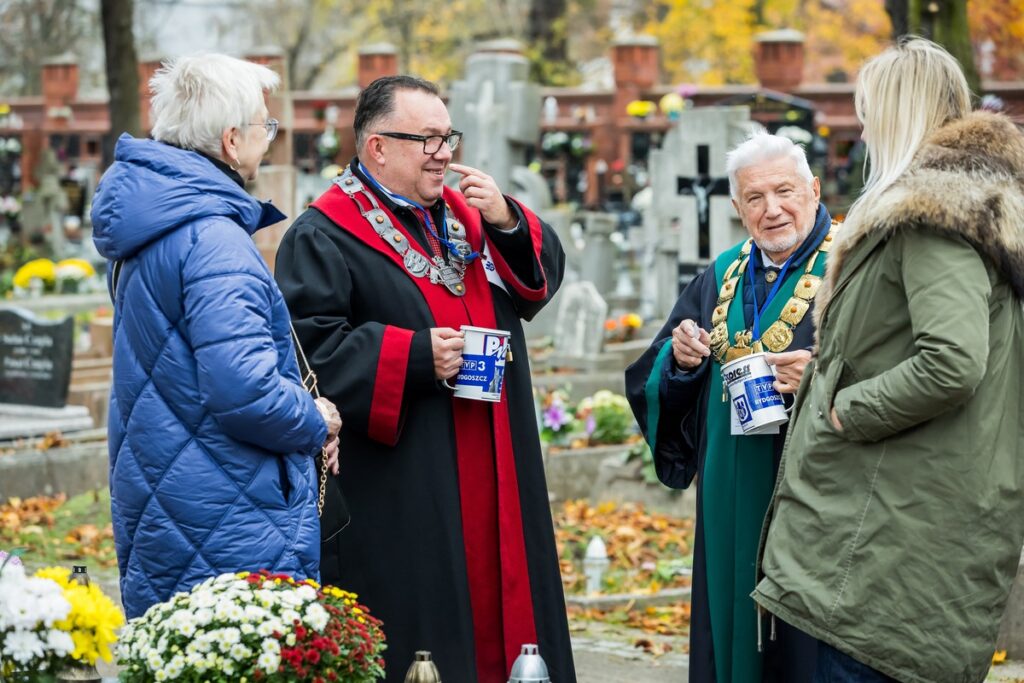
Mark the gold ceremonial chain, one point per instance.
(779, 334)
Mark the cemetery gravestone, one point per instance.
(35, 359)
(35, 372)
(581, 315)
(691, 218)
(599, 252)
(498, 110)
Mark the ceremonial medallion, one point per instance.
(777, 337)
(734, 352)
(415, 263)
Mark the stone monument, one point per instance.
(691, 218)
(498, 110)
(35, 372)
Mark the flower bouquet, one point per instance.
(255, 627)
(607, 418)
(73, 275)
(624, 328)
(36, 276)
(49, 623)
(557, 418)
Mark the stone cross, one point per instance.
(498, 110)
(691, 219)
(703, 187)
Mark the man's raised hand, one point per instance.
(483, 194)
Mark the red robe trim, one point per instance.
(492, 522)
(389, 385)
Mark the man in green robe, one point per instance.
(755, 297)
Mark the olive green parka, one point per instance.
(896, 539)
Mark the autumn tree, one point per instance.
(121, 70)
(34, 30)
(944, 21)
(710, 42)
(997, 28)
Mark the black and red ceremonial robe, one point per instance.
(451, 541)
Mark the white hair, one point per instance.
(196, 98)
(760, 147)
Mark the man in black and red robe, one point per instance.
(451, 541)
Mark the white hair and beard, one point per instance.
(196, 98)
(762, 149)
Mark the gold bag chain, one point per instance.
(309, 382)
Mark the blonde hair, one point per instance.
(903, 95)
(196, 98)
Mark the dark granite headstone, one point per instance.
(35, 359)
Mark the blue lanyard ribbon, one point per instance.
(399, 199)
(760, 310)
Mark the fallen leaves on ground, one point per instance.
(55, 529)
(647, 551)
(52, 440)
(667, 620)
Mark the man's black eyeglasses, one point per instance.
(431, 143)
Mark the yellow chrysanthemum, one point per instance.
(38, 269)
(640, 108)
(93, 619)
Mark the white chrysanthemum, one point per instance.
(306, 593)
(254, 613)
(240, 653)
(28, 602)
(271, 645)
(291, 598)
(290, 616)
(59, 642)
(317, 617)
(203, 616)
(226, 637)
(175, 667)
(23, 646)
(203, 642)
(269, 661)
(268, 627)
(155, 662)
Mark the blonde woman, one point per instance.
(898, 517)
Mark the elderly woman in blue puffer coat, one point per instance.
(212, 435)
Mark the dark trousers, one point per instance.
(836, 667)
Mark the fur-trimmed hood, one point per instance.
(966, 180)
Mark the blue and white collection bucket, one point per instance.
(483, 364)
(756, 406)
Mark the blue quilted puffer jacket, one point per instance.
(212, 436)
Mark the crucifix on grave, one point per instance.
(702, 187)
(691, 218)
